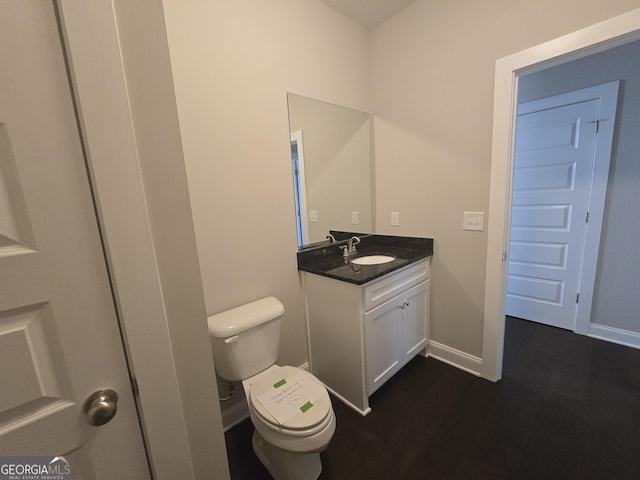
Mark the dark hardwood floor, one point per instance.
(568, 407)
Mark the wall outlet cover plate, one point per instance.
(473, 221)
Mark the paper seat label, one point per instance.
(289, 397)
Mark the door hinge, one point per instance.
(504, 256)
(586, 220)
(577, 297)
(597, 122)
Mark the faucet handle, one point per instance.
(353, 241)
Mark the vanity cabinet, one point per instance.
(361, 335)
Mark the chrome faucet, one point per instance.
(331, 238)
(349, 249)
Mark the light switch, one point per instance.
(395, 219)
(473, 221)
(354, 218)
(313, 216)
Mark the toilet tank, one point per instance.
(245, 339)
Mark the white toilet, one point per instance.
(289, 408)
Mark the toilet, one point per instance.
(290, 409)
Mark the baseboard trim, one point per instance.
(232, 416)
(455, 358)
(239, 412)
(615, 335)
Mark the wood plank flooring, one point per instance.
(568, 407)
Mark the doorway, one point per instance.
(509, 70)
(558, 204)
(160, 300)
(67, 389)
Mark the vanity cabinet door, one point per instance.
(414, 321)
(394, 333)
(383, 344)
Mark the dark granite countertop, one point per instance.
(327, 260)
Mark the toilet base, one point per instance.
(283, 465)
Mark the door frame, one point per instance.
(613, 32)
(163, 324)
(607, 94)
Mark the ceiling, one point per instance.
(369, 13)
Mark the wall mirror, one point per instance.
(331, 165)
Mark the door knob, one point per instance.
(101, 406)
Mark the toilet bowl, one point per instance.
(290, 451)
(290, 409)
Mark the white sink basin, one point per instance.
(373, 260)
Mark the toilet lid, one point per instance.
(307, 416)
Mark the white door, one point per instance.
(59, 336)
(554, 161)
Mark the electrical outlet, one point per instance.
(313, 216)
(473, 221)
(395, 219)
(354, 218)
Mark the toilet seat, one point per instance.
(304, 424)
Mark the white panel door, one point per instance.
(59, 336)
(554, 161)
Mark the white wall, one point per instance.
(233, 63)
(432, 70)
(616, 303)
